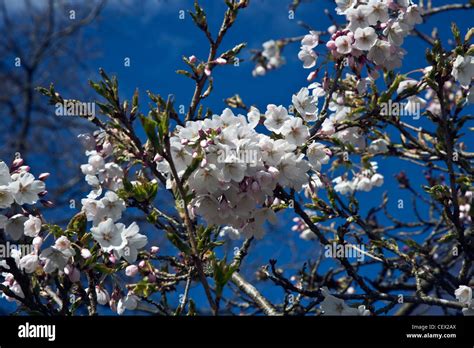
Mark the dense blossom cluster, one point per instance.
(104, 212)
(18, 190)
(98, 173)
(376, 30)
(239, 168)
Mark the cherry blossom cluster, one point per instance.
(270, 59)
(365, 180)
(19, 188)
(376, 29)
(239, 168)
(98, 173)
(104, 212)
(56, 257)
(302, 228)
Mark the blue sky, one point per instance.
(155, 39)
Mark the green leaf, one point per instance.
(104, 269)
(78, 224)
(149, 126)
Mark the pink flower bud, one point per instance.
(273, 171)
(112, 258)
(331, 44)
(158, 158)
(220, 61)
(131, 270)
(107, 148)
(142, 264)
(86, 254)
(192, 59)
(43, 176)
(37, 242)
(154, 249)
(113, 305)
(47, 204)
(18, 162)
(312, 75)
(207, 71)
(73, 273)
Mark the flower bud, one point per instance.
(312, 75)
(102, 296)
(43, 176)
(107, 148)
(112, 258)
(85, 253)
(37, 242)
(151, 278)
(154, 249)
(46, 204)
(73, 273)
(131, 270)
(18, 162)
(331, 45)
(220, 61)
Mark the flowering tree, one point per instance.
(227, 174)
